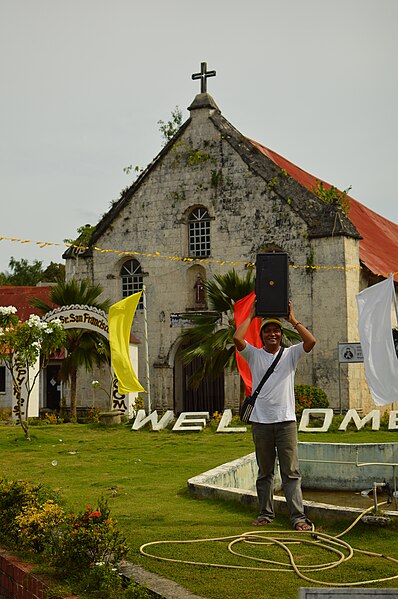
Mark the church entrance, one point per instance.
(53, 387)
(208, 397)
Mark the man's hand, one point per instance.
(291, 317)
(307, 337)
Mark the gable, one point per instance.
(291, 189)
(378, 246)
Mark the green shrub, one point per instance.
(15, 497)
(308, 396)
(92, 415)
(39, 526)
(5, 414)
(102, 580)
(90, 539)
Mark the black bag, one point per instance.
(247, 406)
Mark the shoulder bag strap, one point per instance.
(268, 373)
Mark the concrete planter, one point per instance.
(111, 417)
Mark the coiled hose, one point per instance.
(334, 544)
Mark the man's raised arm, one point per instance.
(240, 333)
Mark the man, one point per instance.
(273, 417)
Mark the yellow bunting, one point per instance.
(156, 254)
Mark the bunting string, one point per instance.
(81, 249)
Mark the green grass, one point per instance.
(143, 475)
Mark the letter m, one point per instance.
(352, 414)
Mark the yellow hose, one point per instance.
(333, 544)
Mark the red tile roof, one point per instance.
(20, 298)
(378, 248)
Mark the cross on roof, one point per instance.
(203, 75)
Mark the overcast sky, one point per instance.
(85, 82)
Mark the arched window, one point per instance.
(199, 233)
(132, 281)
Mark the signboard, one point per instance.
(350, 353)
(77, 316)
(183, 320)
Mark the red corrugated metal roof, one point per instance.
(378, 248)
(20, 298)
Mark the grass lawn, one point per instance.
(143, 475)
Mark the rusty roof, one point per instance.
(378, 246)
(20, 297)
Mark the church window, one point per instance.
(199, 233)
(132, 279)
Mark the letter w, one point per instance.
(141, 420)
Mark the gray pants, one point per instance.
(268, 439)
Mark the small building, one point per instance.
(49, 386)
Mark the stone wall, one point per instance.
(248, 216)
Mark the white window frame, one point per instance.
(199, 233)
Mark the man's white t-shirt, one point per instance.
(275, 402)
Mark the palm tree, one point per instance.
(211, 336)
(83, 347)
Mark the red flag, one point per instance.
(241, 312)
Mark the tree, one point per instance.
(169, 129)
(211, 336)
(83, 239)
(54, 273)
(24, 274)
(332, 196)
(84, 348)
(22, 344)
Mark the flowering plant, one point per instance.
(22, 346)
(91, 538)
(18, 497)
(308, 396)
(38, 525)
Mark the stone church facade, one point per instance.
(209, 202)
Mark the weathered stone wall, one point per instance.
(248, 216)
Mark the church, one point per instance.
(209, 202)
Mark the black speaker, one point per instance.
(272, 284)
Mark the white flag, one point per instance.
(375, 332)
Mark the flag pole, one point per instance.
(148, 385)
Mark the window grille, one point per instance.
(199, 233)
(132, 280)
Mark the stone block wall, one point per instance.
(248, 215)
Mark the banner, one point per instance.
(120, 319)
(375, 332)
(241, 312)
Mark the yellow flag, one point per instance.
(120, 319)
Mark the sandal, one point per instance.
(303, 525)
(261, 522)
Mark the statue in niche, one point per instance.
(199, 289)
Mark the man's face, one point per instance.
(271, 335)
